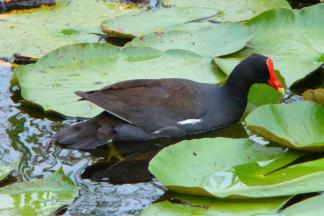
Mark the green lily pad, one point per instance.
(8, 168)
(37, 197)
(235, 168)
(310, 207)
(36, 32)
(190, 205)
(262, 94)
(316, 95)
(298, 125)
(52, 81)
(234, 10)
(270, 31)
(206, 39)
(139, 24)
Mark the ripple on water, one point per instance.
(26, 132)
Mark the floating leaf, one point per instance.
(310, 207)
(234, 10)
(131, 26)
(206, 39)
(262, 94)
(35, 33)
(190, 205)
(52, 81)
(235, 168)
(37, 197)
(298, 125)
(270, 31)
(6, 169)
(316, 95)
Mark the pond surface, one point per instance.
(26, 133)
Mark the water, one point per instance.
(26, 133)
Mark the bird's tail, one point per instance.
(88, 134)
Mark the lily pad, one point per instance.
(52, 81)
(6, 169)
(37, 197)
(235, 168)
(139, 24)
(262, 94)
(233, 10)
(270, 31)
(316, 95)
(298, 125)
(206, 39)
(310, 207)
(190, 205)
(36, 32)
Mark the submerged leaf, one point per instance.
(235, 168)
(37, 197)
(34, 33)
(270, 29)
(206, 39)
(298, 125)
(52, 81)
(131, 26)
(232, 10)
(190, 205)
(6, 169)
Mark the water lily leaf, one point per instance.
(262, 94)
(316, 95)
(52, 81)
(270, 31)
(131, 26)
(235, 168)
(297, 125)
(36, 32)
(37, 197)
(6, 169)
(310, 207)
(190, 205)
(206, 39)
(234, 10)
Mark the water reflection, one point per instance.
(26, 133)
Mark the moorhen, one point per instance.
(148, 109)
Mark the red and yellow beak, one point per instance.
(273, 81)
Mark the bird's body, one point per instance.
(146, 109)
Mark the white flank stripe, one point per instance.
(189, 121)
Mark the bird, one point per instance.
(150, 109)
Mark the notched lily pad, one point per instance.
(310, 207)
(35, 33)
(206, 39)
(232, 10)
(270, 31)
(298, 125)
(37, 197)
(191, 205)
(235, 168)
(52, 81)
(131, 26)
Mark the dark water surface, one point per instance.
(26, 132)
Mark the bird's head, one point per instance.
(256, 69)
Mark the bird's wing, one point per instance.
(151, 104)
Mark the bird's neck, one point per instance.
(238, 84)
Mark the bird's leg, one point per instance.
(113, 152)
